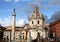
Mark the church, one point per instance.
(35, 31)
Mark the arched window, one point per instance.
(38, 21)
(32, 22)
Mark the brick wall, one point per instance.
(55, 27)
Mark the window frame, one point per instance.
(38, 22)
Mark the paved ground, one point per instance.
(2, 41)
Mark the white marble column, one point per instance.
(29, 39)
(13, 26)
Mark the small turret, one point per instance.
(36, 9)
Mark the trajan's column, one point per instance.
(13, 26)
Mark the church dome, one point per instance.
(41, 16)
(36, 14)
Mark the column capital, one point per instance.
(14, 13)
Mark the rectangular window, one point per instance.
(32, 22)
(38, 22)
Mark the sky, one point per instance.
(24, 8)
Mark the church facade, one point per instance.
(35, 30)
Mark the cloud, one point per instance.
(30, 0)
(8, 0)
(16, 1)
(54, 17)
(9, 10)
(20, 22)
(30, 6)
(12, 1)
(6, 21)
(54, 3)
